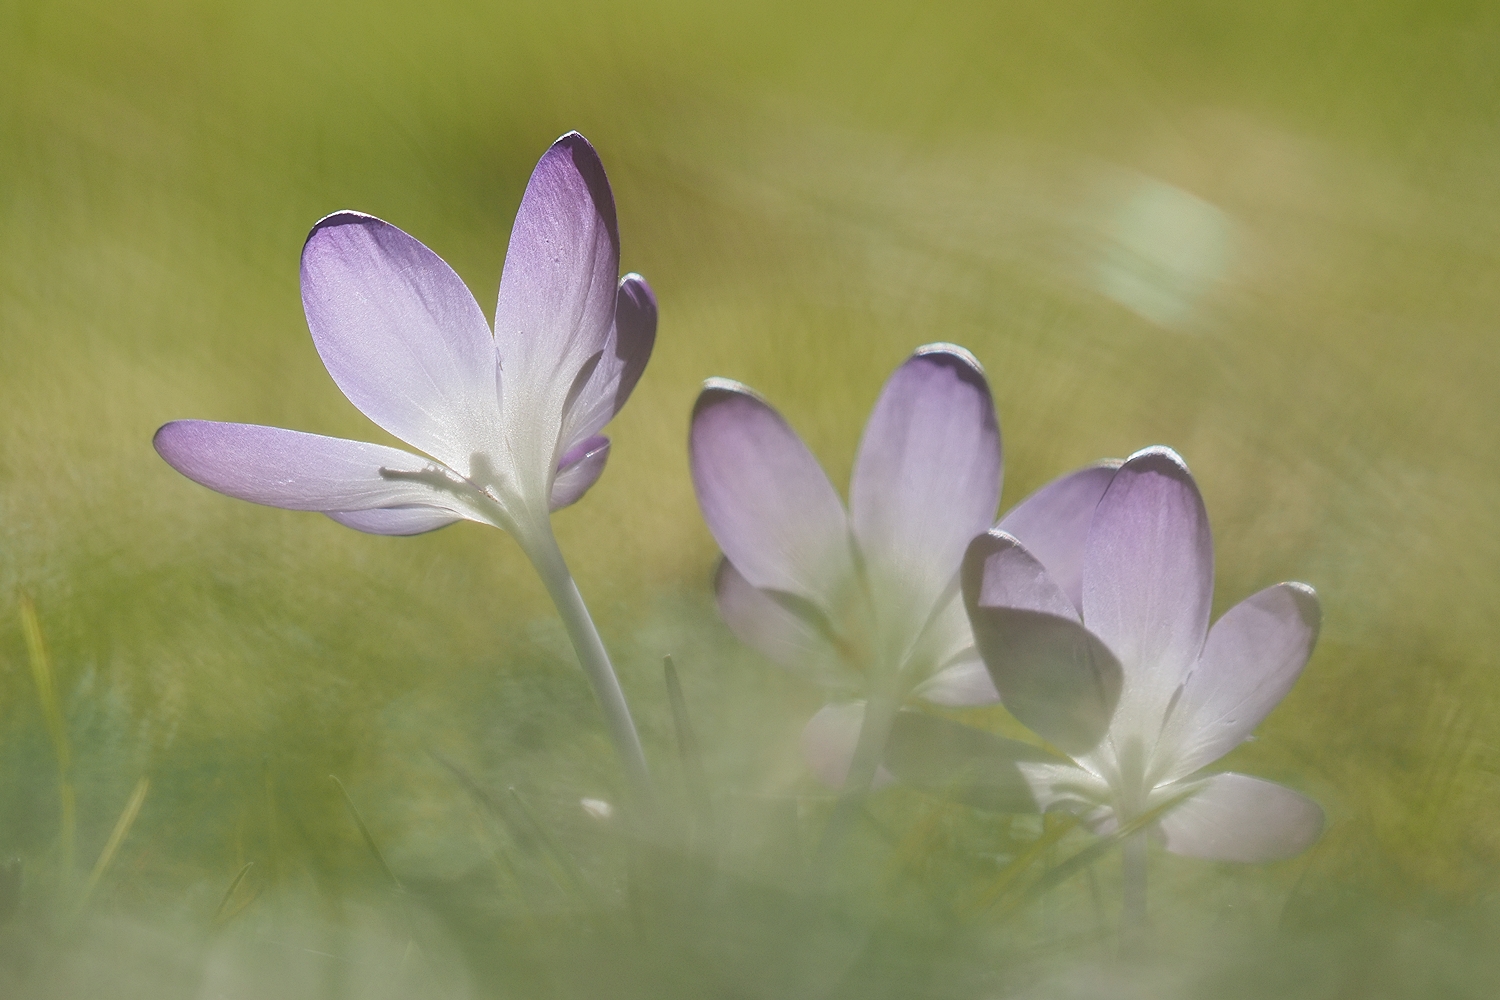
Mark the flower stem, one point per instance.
(874, 733)
(1133, 913)
(548, 559)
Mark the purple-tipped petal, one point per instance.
(620, 365)
(298, 471)
(1148, 576)
(966, 764)
(963, 685)
(927, 477)
(635, 334)
(579, 469)
(1239, 818)
(395, 520)
(828, 742)
(1053, 523)
(401, 336)
(764, 497)
(1052, 673)
(1253, 656)
(557, 290)
(761, 622)
(1000, 572)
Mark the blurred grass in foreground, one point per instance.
(1265, 234)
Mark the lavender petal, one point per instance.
(620, 365)
(1053, 674)
(761, 622)
(579, 469)
(1148, 577)
(764, 497)
(1239, 818)
(395, 520)
(927, 477)
(1253, 656)
(557, 291)
(401, 335)
(298, 471)
(1053, 523)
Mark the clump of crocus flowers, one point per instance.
(1084, 610)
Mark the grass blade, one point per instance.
(688, 750)
(116, 838)
(364, 831)
(46, 689)
(219, 914)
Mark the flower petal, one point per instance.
(401, 336)
(1148, 577)
(767, 502)
(966, 764)
(926, 480)
(1253, 656)
(298, 471)
(395, 520)
(579, 469)
(1239, 818)
(620, 366)
(557, 292)
(962, 685)
(1053, 523)
(1052, 673)
(828, 742)
(765, 624)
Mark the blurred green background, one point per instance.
(1264, 233)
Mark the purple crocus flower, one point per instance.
(871, 593)
(509, 421)
(875, 588)
(505, 423)
(1101, 644)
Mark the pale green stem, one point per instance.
(548, 559)
(1133, 913)
(869, 750)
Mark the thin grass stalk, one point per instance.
(116, 838)
(46, 688)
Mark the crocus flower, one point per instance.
(866, 597)
(1101, 645)
(505, 423)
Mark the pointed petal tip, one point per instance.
(639, 291)
(1161, 458)
(722, 390)
(942, 347)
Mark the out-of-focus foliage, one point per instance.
(1263, 233)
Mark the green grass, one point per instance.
(813, 190)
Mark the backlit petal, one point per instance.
(579, 469)
(964, 684)
(1052, 673)
(395, 520)
(926, 481)
(298, 471)
(764, 497)
(1239, 818)
(401, 336)
(557, 293)
(1253, 656)
(761, 622)
(620, 366)
(1053, 523)
(1148, 576)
